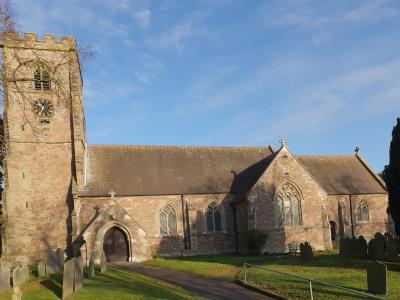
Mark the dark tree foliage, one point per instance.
(391, 175)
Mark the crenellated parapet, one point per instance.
(31, 41)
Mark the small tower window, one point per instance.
(41, 78)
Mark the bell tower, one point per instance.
(44, 132)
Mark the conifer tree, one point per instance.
(392, 176)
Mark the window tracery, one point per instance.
(168, 220)
(288, 206)
(362, 211)
(213, 218)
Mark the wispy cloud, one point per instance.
(142, 17)
(177, 36)
(149, 69)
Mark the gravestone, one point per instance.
(91, 267)
(41, 269)
(344, 248)
(55, 261)
(4, 276)
(78, 273)
(18, 277)
(103, 262)
(377, 278)
(391, 245)
(25, 273)
(380, 239)
(68, 278)
(361, 247)
(353, 247)
(306, 251)
(17, 294)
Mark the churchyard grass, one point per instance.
(329, 267)
(113, 284)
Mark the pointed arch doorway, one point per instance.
(115, 245)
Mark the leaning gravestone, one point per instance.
(103, 262)
(25, 273)
(41, 269)
(68, 278)
(391, 244)
(78, 273)
(377, 278)
(4, 276)
(91, 267)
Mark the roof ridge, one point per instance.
(327, 156)
(179, 147)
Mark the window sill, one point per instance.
(214, 232)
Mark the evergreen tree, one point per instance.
(392, 176)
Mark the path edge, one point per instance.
(258, 290)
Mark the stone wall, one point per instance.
(378, 218)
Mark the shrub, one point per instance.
(255, 240)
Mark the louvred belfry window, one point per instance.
(167, 220)
(41, 78)
(288, 206)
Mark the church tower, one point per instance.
(44, 132)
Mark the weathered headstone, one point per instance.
(17, 294)
(306, 251)
(380, 246)
(17, 276)
(68, 278)
(41, 269)
(25, 273)
(353, 249)
(60, 259)
(91, 267)
(4, 276)
(377, 278)
(345, 247)
(55, 261)
(78, 273)
(391, 245)
(103, 262)
(361, 247)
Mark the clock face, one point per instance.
(43, 108)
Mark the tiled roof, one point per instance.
(342, 174)
(165, 170)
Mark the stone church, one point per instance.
(137, 201)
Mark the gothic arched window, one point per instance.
(214, 222)
(167, 220)
(41, 78)
(288, 206)
(362, 211)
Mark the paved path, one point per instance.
(208, 288)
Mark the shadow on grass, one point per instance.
(54, 284)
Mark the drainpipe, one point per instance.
(351, 216)
(184, 224)
(235, 229)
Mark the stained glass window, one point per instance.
(167, 220)
(362, 211)
(214, 220)
(288, 206)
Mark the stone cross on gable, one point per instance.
(111, 193)
(282, 141)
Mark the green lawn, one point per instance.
(114, 284)
(329, 267)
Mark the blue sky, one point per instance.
(323, 74)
